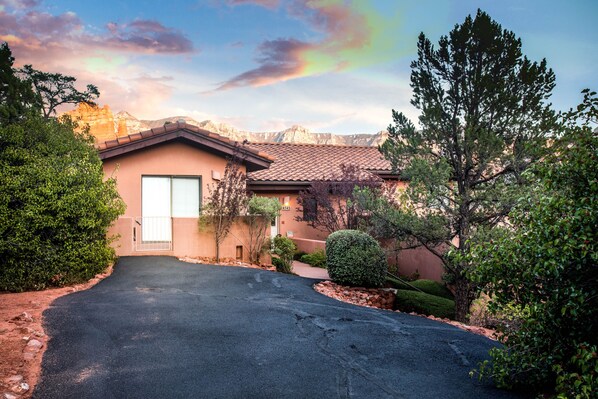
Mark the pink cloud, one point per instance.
(343, 27)
(279, 60)
(145, 36)
(28, 29)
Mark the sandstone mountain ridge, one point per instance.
(105, 125)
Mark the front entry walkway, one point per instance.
(305, 270)
(161, 328)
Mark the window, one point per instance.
(310, 209)
(165, 196)
(185, 197)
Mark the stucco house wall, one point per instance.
(166, 158)
(170, 159)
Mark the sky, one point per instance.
(336, 66)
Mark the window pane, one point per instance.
(155, 196)
(155, 209)
(185, 197)
(310, 209)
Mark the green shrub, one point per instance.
(316, 258)
(398, 284)
(433, 288)
(419, 302)
(298, 255)
(55, 206)
(280, 265)
(285, 249)
(355, 258)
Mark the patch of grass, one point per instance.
(316, 259)
(419, 302)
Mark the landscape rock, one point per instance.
(34, 345)
(20, 388)
(9, 396)
(13, 380)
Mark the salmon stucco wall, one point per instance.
(287, 225)
(172, 159)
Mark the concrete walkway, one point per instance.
(305, 270)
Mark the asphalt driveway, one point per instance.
(160, 328)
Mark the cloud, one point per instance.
(54, 35)
(279, 60)
(145, 36)
(352, 33)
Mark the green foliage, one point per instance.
(16, 97)
(433, 288)
(355, 258)
(316, 258)
(548, 264)
(260, 213)
(419, 302)
(55, 207)
(285, 248)
(298, 255)
(55, 89)
(581, 378)
(484, 115)
(427, 286)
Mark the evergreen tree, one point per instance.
(483, 117)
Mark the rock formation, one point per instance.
(104, 126)
(99, 120)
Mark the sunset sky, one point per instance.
(335, 66)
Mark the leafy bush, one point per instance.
(280, 265)
(355, 258)
(419, 302)
(316, 258)
(581, 379)
(547, 264)
(260, 213)
(285, 248)
(55, 207)
(298, 255)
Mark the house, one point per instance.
(297, 166)
(162, 175)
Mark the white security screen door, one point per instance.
(155, 209)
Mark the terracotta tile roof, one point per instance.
(309, 162)
(173, 131)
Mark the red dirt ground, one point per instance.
(20, 323)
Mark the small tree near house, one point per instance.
(329, 204)
(225, 202)
(260, 213)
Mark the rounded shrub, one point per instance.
(355, 258)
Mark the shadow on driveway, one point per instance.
(160, 328)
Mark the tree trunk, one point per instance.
(217, 252)
(464, 295)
